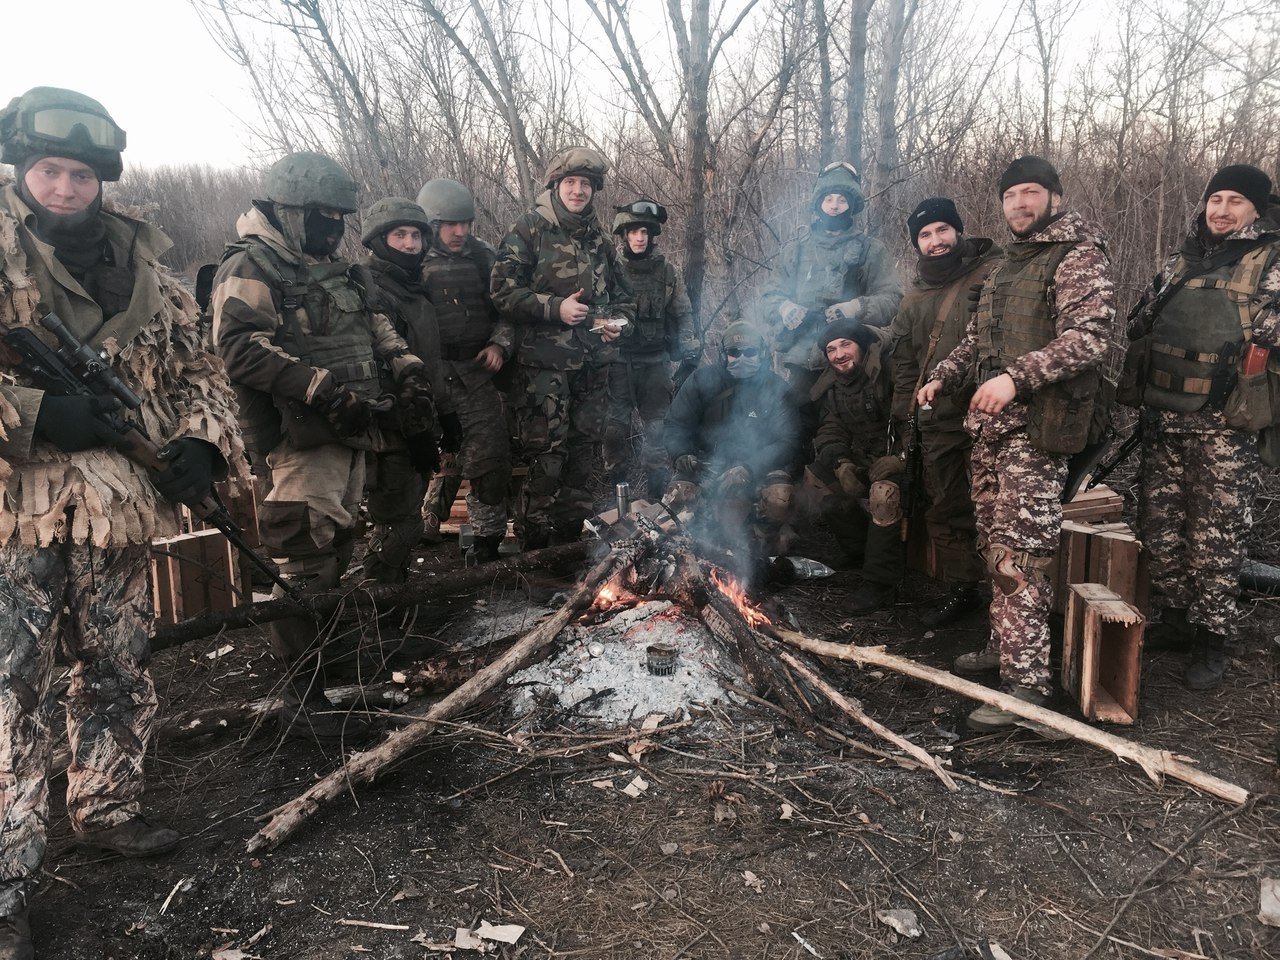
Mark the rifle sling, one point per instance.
(935, 334)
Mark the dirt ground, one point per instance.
(752, 840)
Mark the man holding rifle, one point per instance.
(78, 513)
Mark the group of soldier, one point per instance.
(388, 381)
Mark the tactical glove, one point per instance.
(735, 478)
(73, 423)
(848, 310)
(686, 465)
(416, 402)
(887, 468)
(850, 483)
(424, 455)
(347, 414)
(792, 314)
(451, 429)
(975, 294)
(190, 468)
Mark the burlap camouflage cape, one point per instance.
(1015, 485)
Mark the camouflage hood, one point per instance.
(287, 242)
(839, 178)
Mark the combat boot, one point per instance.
(1208, 661)
(1171, 632)
(980, 661)
(431, 528)
(869, 597)
(963, 598)
(989, 719)
(136, 837)
(485, 549)
(15, 936)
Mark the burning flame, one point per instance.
(733, 591)
(608, 594)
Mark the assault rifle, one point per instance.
(1108, 466)
(74, 369)
(913, 460)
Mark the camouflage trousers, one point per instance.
(395, 507)
(949, 517)
(485, 457)
(92, 607)
(644, 390)
(1196, 503)
(1016, 490)
(560, 419)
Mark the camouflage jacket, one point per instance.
(541, 263)
(822, 268)
(1082, 303)
(914, 324)
(854, 410)
(664, 317)
(155, 345)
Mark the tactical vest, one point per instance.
(1014, 319)
(458, 288)
(649, 283)
(1196, 339)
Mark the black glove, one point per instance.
(416, 404)
(424, 455)
(451, 428)
(72, 423)
(190, 468)
(975, 294)
(347, 414)
(686, 465)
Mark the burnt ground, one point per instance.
(752, 840)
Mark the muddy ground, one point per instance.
(752, 840)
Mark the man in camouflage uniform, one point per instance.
(394, 229)
(834, 272)
(861, 498)
(77, 515)
(558, 281)
(1034, 348)
(307, 355)
(1203, 359)
(732, 434)
(474, 347)
(929, 324)
(641, 381)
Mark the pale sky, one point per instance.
(179, 98)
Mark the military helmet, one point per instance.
(52, 122)
(391, 212)
(577, 162)
(640, 213)
(446, 201)
(842, 178)
(741, 334)
(310, 179)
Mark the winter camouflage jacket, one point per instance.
(664, 317)
(154, 345)
(1082, 304)
(854, 409)
(543, 261)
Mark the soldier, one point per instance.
(474, 347)
(393, 231)
(1034, 349)
(641, 382)
(557, 279)
(861, 501)
(732, 435)
(833, 272)
(306, 352)
(1200, 362)
(929, 324)
(77, 515)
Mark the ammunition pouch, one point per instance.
(1061, 416)
(1134, 374)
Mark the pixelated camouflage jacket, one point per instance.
(1082, 303)
(914, 323)
(822, 268)
(155, 345)
(854, 410)
(664, 316)
(540, 264)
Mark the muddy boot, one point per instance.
(963, 598)
(980, 661)
(989, 719)
(485, 549)
(1171, 632)
(1208, 661)
(431, 528)
(870, 597)
(15, 936)
(136, 837)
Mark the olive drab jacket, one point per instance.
(547, 256)
(854, 410)
(664, 317)
(154, 345)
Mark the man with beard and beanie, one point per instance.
(307, 353)
(641, 381)
(732, 434)
(558, 281)
(1034, 349)
(861, 498)
(931, 321)
(474, 346)
(77, 515)
(834, 272)
(1203, 368)
(393, 230)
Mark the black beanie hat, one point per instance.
(1248, 181)
(933, 210)
(1031, 169)
(845, 329)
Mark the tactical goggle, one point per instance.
(845, 165)
(67, 124)
(646, 208)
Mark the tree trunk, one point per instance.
(856, 87)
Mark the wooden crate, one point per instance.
(1102, 653)
(194, 573)
(1101, 504)
(1107, 553)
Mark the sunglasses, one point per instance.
(63, 123)
(742, 352)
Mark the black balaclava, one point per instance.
(410, 263)
(321, 234)
(78, 239)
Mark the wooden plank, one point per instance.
(1102, 654)
(1078, 597)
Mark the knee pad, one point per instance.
(1012, 569)
(491, 488)
(884, 503)
(775, 502)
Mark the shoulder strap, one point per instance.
(948, 300)
(1223, 259)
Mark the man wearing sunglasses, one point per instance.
(641, 382)
(834, 272)
(77, 516)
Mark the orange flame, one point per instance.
(608, 594)
(734, 592)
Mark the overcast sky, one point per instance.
(150, 63)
